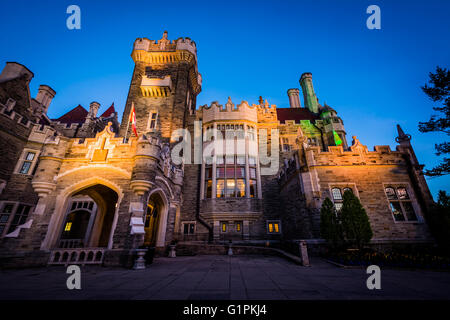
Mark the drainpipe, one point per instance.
(197, 215)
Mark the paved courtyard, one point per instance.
(223, 277)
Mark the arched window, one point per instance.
(336, 193)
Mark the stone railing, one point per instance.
(70, 243)
(79, 256)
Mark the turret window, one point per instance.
(153, 120)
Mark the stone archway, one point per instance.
(107, 197)
(155, 220)
(83, 228)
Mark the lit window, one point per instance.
(400, 204)
(240, 188)
(208, 188)
(220, 188)
(238, 227)
(273, 227)
(68, 226)
(224, 227)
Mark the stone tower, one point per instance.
(164, 85)
(309, 95)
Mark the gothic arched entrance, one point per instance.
(154, 220)
(89, 218)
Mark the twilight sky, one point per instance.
(247, 49)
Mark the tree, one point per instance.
(330, 227)
(439, 221)
(438, 90)
(355, 221)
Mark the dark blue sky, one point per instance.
(247, 49)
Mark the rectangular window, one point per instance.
(220, 188)
(231, 188)
(252, 173)
(240, 188)
(189, 228)
(27, 162)
(223, 227)
(208, 188)
(400, 204)
(20, 217)
(273, 227)
(252, 188)
(153, 119)
(238, 226)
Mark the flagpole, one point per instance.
(128, 123)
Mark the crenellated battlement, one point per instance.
(358, 154)
(230, 111)
(164, 50)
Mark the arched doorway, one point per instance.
(154, 222)
(89, 218)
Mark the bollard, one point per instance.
(139, 264)
(304, 253)
(230, 251)
(172, 253)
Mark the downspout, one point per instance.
(197, 213)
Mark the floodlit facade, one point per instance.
(83, 188)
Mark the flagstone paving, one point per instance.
(223, 277)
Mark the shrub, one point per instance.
(355, 222)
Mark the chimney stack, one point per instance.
(93, 109)
(45, 96)
(309, 96)
(294, 99)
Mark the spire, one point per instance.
(402, 137)
(261, 101)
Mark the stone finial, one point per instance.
(355, 141)
(402, 137)
(261, 101)
(229, 105)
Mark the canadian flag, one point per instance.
(133, 119)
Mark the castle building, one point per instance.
(84, 188)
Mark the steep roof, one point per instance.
(108, 112)
(296, 114)
(76, 115)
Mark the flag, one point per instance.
(133, 119)
(337, 139)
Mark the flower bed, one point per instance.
(391, 259)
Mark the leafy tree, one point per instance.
(330, 227)
(355, 221)
(439, 221)
(438, 90)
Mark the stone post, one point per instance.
(304, 253)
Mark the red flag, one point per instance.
(133, 119)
